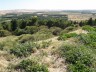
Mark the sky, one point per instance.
(48, 4)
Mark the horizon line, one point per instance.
(48, 9)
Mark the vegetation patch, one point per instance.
(4, 33)
(45, 44)
(87, 38)
(79, 58)
(88, 28)
(55, 30)
(66, 36)
(31, 66)
(23, 50)
(41, 35)
(1, 46)
(68, 29)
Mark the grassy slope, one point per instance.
(47, 56)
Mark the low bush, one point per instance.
(19, 32)
(44, 31)
(23, 50)
(84, 38)
(43, 27)
(4, 33)
(65, 36)
(55, 30)
(1, 27)
(35, 37)
(31, 66)
(79, 58)
(68, 29)
(42, 36)
(31, 29)
(79, 68)
(93, 45)
(1, 46)
(45, 44)
(25, 37)
(88, 28)
(87, 38)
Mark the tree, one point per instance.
(50, 23)
(42, 22)
(31, 29)
(95, 22)
(5, 25)
(81, 23)
(33, 21)
(23, 24)
(19, 32)
(90, 22)
(14, 25)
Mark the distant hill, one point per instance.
(2, 12)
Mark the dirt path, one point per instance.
(54, 62)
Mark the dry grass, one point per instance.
(48, 56)
(80, 17)
(79, 31)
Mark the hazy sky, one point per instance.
(48, 4)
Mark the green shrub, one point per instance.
(79, 58)
(23, 50)
(88, 28)
(31, 66)
(1, 46)
(79, 68)
(44, 31)
(35, 37)
(4, 33)
(1, 27)
(19, 32)
(45, 44)
(65, 36)
(31, 29)
(43, 27)
(68, 29)
(87, 38)
(55, 30)
(84, 38)
(42, 36)
(25, 37)
(93, 45)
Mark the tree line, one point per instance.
(23, 26)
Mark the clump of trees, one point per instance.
(90, 22)
(35, 24)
